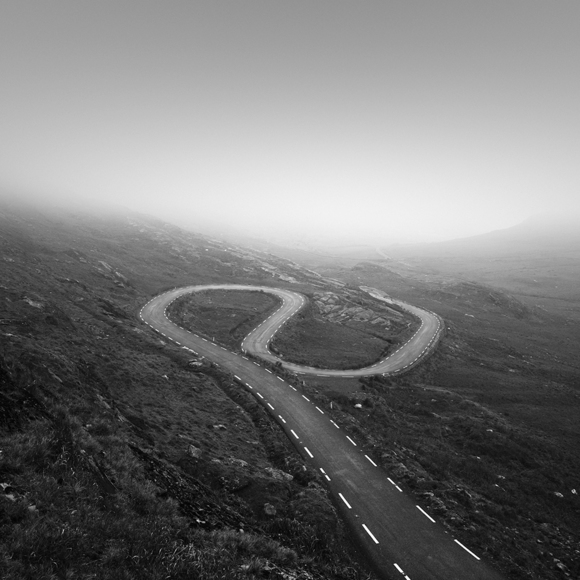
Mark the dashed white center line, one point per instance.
(280, 379)
(371, 460)
(282, 419)
(304, 397)
(320, 410)
(425, 513)
(351, 440)
(268, 371)
(294, 433)
(467, 549)
(344, 500)
(236, 377)
(260, 395)
(308, 451)
(370, 534)
(269, 405)
(334, 424)
(292, 387)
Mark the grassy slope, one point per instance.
(307, 339)
(486, 433)
(113, 460)
(223, 316)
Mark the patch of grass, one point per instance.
(223, 316)
(306, 339)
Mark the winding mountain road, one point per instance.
(401, 539)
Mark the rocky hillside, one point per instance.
(117, 460)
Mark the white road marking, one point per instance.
(399, 488)
(236, 377)
(391, 481)
(344, 500)
(327, 477)
(259, 395)
(308, 451)
(425, 513)
(294, 433)
(351, 440)
(370, 534)
(282, 419)
(304, 397)
(268, 371)
(292, 387)
(467, 549)
(280, 379)
(320, 410)
(334, 424)
(399, 568)
(371, 460)
(269, 405)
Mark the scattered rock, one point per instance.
(194, 451)
(269, 509)
(278, 474)
(33, 303)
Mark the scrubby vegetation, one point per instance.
(116, 460)
(223, 316)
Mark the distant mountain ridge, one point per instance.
(544, 234)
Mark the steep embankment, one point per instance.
(114, 455)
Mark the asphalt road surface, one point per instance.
(400, 537)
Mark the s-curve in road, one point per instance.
(401, 538)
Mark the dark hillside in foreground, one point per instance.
(116, 459)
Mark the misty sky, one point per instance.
(370, 119)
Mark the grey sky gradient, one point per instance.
(374, 120)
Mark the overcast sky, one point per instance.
(368, 119)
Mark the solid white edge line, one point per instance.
(370, 534)
(425, 513)
(467, 549)
(344, 500)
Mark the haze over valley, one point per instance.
(290, 290)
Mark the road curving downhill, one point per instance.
(399, 536)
